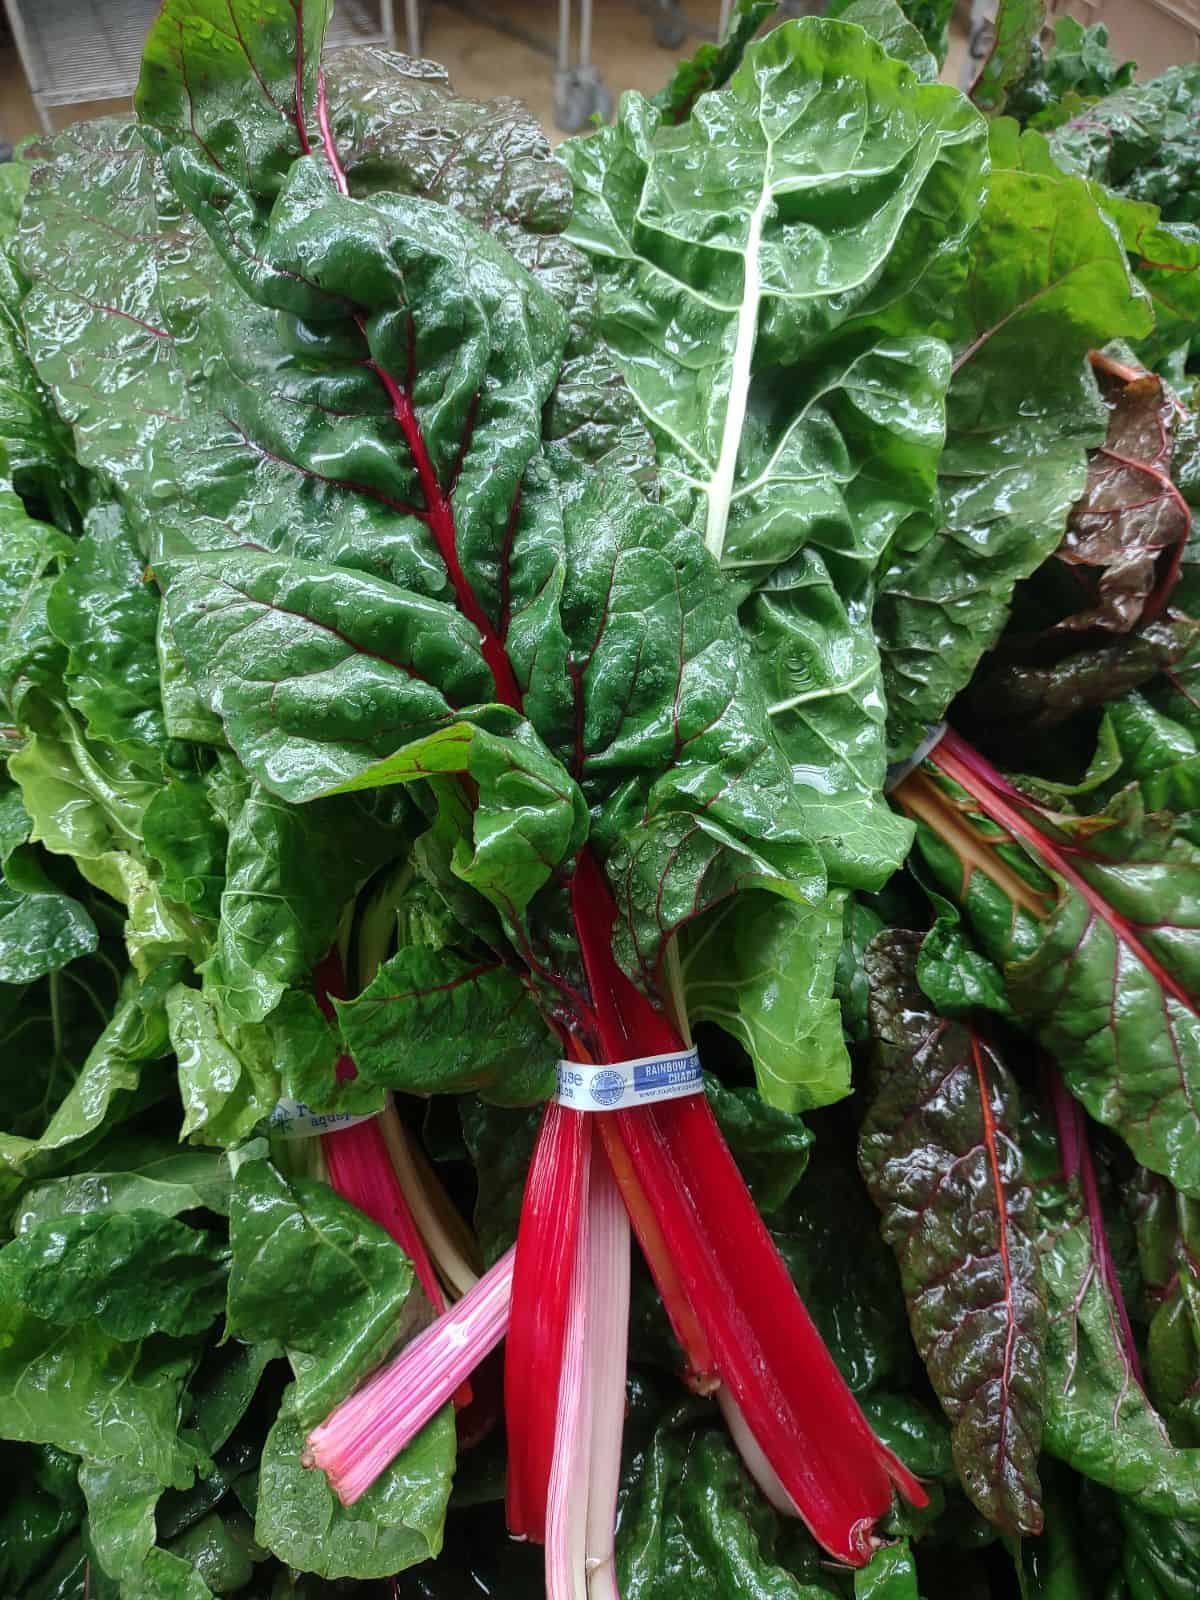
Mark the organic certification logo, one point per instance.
(608, 1087)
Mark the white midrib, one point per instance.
(720, 489)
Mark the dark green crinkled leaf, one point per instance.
(43, 1508)
(106, 614)
(1141, 141)
(853, 1293)
(693, 1521)
(101, 1086)
(778, 330)
(1048, 274)
(289, 872)
(34, 552)
(133, 1272)
(1161, 1555)
(121, 1535)
(112, 260)
(236, 80)
(41, 928)
(314, 1273)
(770, 1146)
(435, 1022)
(938, 1152)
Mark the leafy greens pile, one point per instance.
(462, 608)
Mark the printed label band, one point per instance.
(292, 1119)
(616, 1085)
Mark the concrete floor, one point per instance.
(481, 61)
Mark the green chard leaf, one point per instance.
(1016, 27)
(1141, 141)
(101, 1087)
(1096, 931)
(312, 1272)
(1168, 1238)
(437, 1022)
(901, 32)
(938, 1152)
(133, 1272)
(692, 1519)
(351, 641)
(780, 334)
(761, 968)
(1097, 1416)
(713, 64)
(42, 928)
(1048, 272)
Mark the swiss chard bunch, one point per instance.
(341, 418)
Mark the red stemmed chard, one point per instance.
(419, 571)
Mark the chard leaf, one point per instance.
(289, 872)
(799, 427)
(33, 553)
(1048, 272)
(1164, 257)
(770, 1146)
(1160, 1556)
(1098, 1418)
(1168, 1239)
(761, 968)
(437, 1022)
(1141, 141)
(1017, 695)
(854, 1295)
(1133, 934)
(41, 928)
(94, 1396)
(529, 816)
(1016, 27)
(237, 80)
(88, 800)
(310, 1270)
(133, 1272)
(396, 1524)
(35, 446)
(131, 1174)
(938, 1152)
(713, 64)
(41, 1512)
(1130, 511)
(899, 31)
(106, 614)
(1108, 911)
(101, 1088)
(122, 1535)
(188, 843)
(314, 670)
(231, 1073)
(120, 282)
(891, 1574)
(692, 1518)
(313, 1273)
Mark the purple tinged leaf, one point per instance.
(938, 1154)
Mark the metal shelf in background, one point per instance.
(74, 51)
